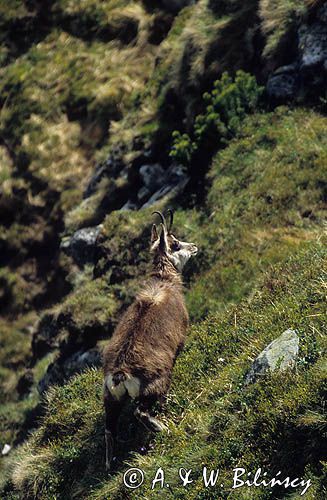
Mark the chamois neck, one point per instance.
(163, 269)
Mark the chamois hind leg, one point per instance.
(143, 414)
(113, 409)
(154, 392)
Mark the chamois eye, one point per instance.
(175, 246)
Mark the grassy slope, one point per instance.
(265, 206)
(66, 73)
(82, 85)
(267, 197)
(277, 423)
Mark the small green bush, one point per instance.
(226, 106)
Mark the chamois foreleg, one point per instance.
(113, 409)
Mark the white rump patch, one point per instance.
(131, 385)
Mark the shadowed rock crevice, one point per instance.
(305, 74)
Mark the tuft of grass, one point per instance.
(6, 165)
(278, 18)
(92, 303)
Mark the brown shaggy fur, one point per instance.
(151, 332)
(140, 356)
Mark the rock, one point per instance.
(283, 84)
(157, 196)
(313, 41)
(110, 168)
(157, 183)
(143, 194)
(313, 45)
(322, 13)
(129, 205)
(149, 183)
(313, 55)
(6, 449)
(81, 246)
(44, 339)
(279, 355)
(25, 383)
(173, 183)
(307, 75)
(62, 369)
(152, 176)
(100, 172)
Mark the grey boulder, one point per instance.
(307, 75)
(81, 245)
(281, 355)
(60, 371)
(283, 84)
(313, 41)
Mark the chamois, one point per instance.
(139, 358)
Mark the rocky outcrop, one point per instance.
(111, 167)
(136, 185)
(284, 84)
(60, 371)
(157, 183)
(307, 75)
(313, 41)
(81, 246)
(279, 355)
(45, 336)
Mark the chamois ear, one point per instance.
(163, 244)
(154, 234)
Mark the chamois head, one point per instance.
(166, 244)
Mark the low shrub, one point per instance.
(226, 106)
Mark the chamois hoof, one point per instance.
(150, 423)
(158, 426)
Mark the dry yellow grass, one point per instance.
(276, 18)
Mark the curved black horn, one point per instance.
(161, 217)
(171, 215)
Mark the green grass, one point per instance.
(278, 18)
(260, 270)
(15, 351)
(92, 303)
(213, 420)
(66, 91)
(265, 200)
(15, 345)
(69, 95)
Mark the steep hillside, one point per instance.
(108, 111)
(278, 423)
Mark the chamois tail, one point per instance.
(117, 377)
